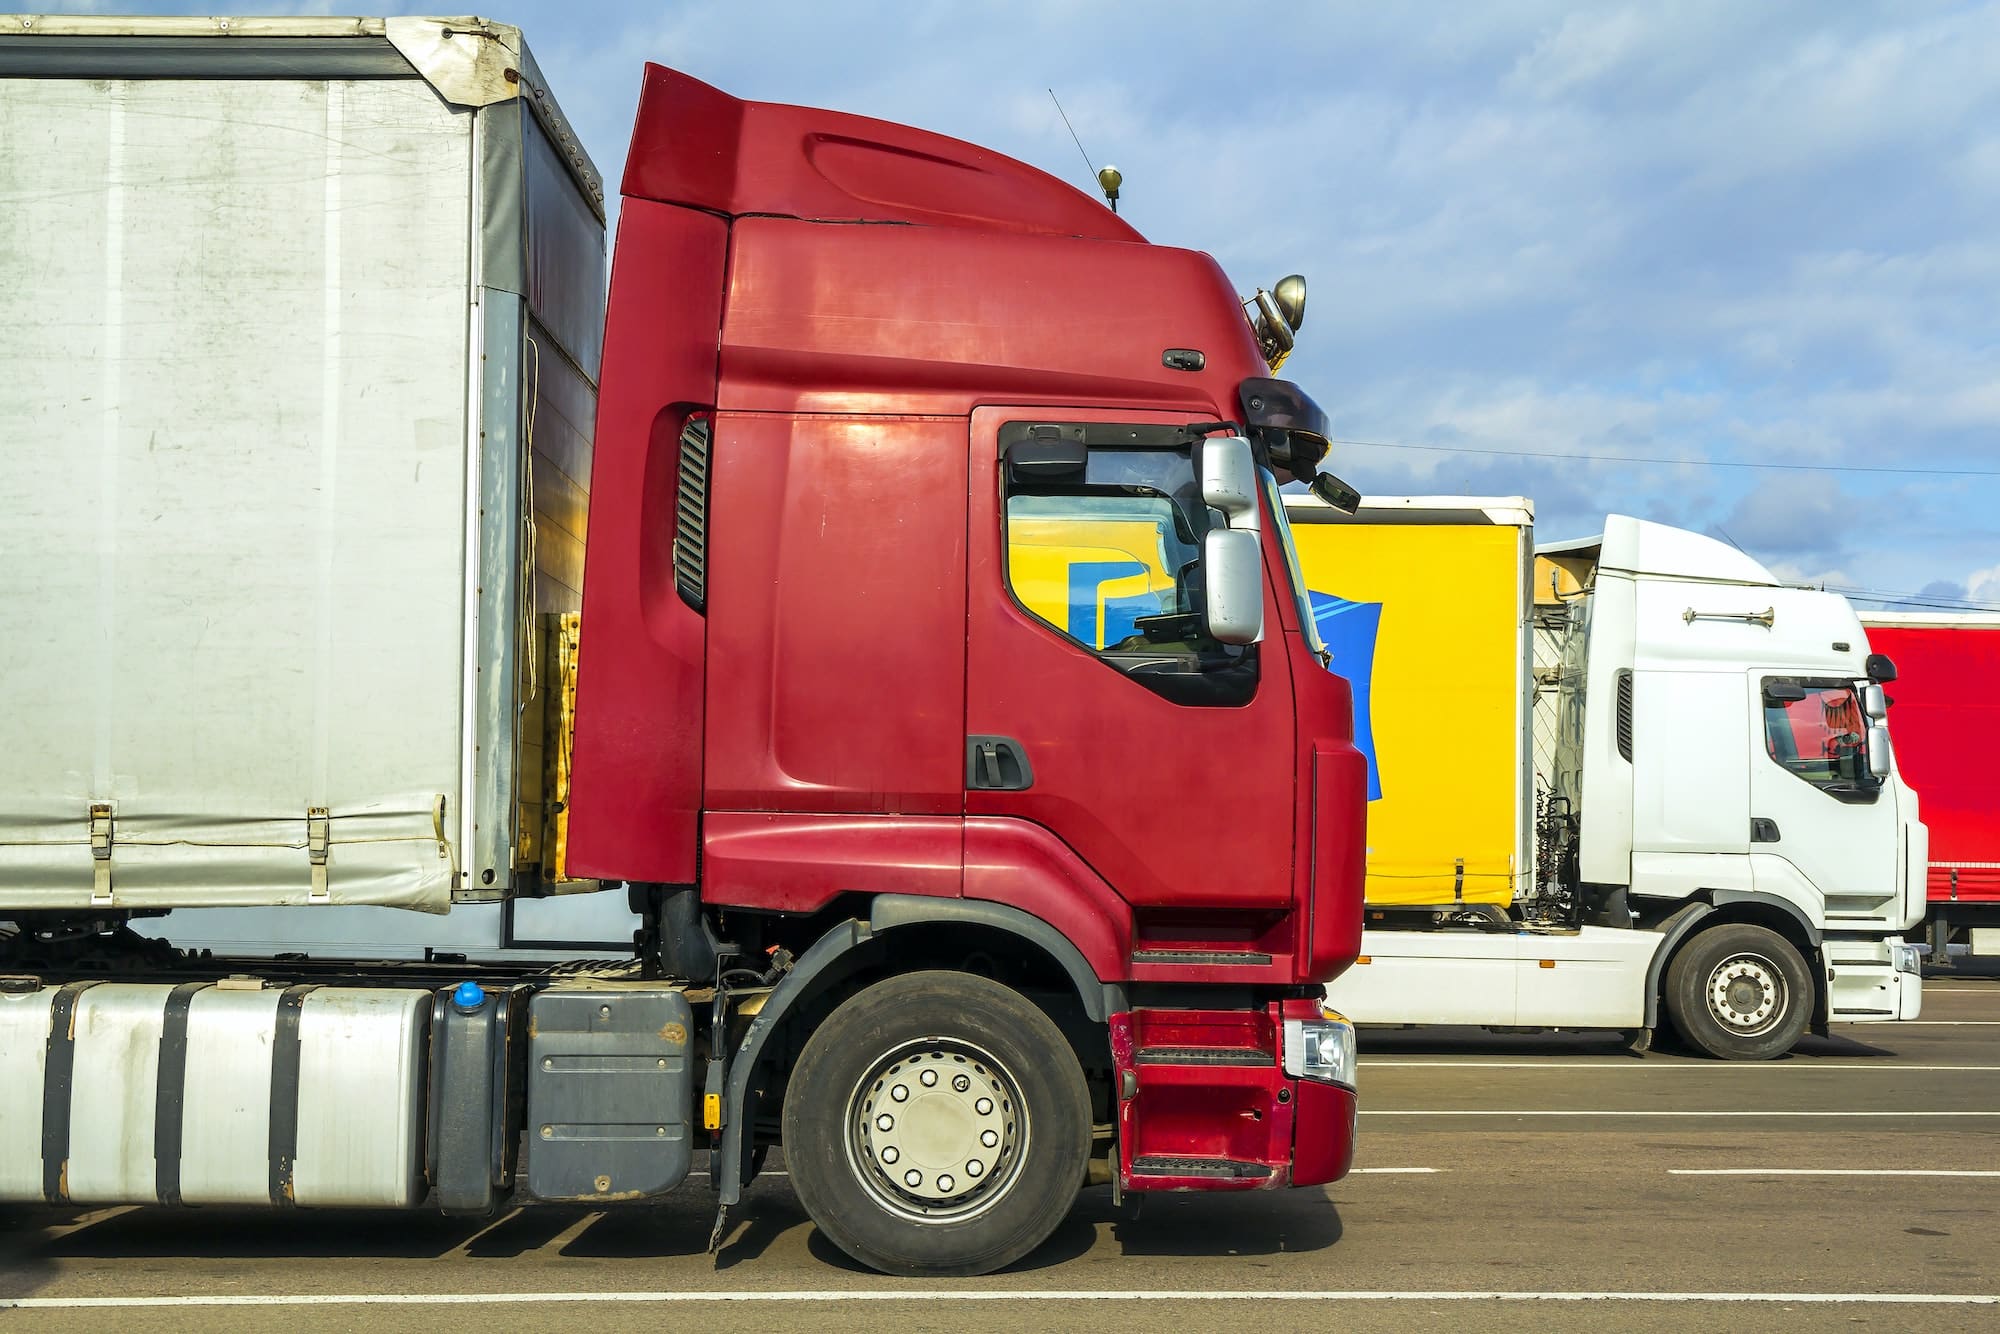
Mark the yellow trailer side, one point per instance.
(1424, 603)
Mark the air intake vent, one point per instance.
(1625, 715)
(691, 516)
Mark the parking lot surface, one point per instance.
(1526, 1182)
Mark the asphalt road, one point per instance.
(1677, 1190)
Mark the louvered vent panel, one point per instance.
(691, 516)
(1625, 714)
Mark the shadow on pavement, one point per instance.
(206, 1233)
(33, 1244)
(24, 1267)
(1249, 1224)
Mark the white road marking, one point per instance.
(1962, 991)
(1396, 1171)
(1822, 1172)
(963, 1296)
(1938, 1023)
(1398, 1111)
(1625, 1063)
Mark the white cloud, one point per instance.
(1708, 230)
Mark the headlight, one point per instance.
(1320, 1049)
(1904, 957)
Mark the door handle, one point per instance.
(1762, 830)
(996, 764)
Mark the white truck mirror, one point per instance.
(1229, 480)
(1878, 749)
(1233, 570)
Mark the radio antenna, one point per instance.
(1072, 131)
(1109, 179)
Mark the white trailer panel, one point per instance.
(274, 527)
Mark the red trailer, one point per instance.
(1946, 727)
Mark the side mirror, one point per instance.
(1336, 493)
(1878, 750)
(1874, 703)
(1233, 570)
(1229, 480)
(1881, 668)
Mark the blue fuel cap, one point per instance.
(469, 996)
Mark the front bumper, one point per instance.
(1233, 1100)
(1872, 980)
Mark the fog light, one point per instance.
(1320, 1050)
(1904, 957)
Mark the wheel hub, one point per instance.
(937, 1130)
(1747, 993)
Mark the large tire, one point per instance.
(937, 1125)
(1740, 993)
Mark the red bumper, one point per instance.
(1205, 1104)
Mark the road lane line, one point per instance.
(1396, 1171)
(1400, 1111)
(1823, 1172)
(964, 1296)
(1933, 1023)
(1623, 1063)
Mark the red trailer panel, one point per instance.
(1945, 725)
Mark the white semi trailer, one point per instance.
(1718, 836)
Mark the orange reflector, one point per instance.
(1548, 963)
(1361, 958)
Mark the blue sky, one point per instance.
(1714, 233)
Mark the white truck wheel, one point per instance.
(1739, 993)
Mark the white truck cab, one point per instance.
(1720, 833)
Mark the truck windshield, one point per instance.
(1274, 501)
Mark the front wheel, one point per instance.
(1740, 993)
(937, 1125)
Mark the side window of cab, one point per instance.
(1103, 529)
(1816, 729)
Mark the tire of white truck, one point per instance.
(937, 1125)
(1739, 993)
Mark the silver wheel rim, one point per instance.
(936, 1130)
(1746, 994)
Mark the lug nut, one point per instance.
(989, 1138)
(890, 1155)
(885, 1123)
(901, 1093)
(913, 1177)
(974, 1168)
(929, 1077)
(945, 1182)
(984, 1106)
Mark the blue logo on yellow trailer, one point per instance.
(1348, 630)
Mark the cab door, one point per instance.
(1813, 801)
(1095, 708)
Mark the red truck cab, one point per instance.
(964, 857)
